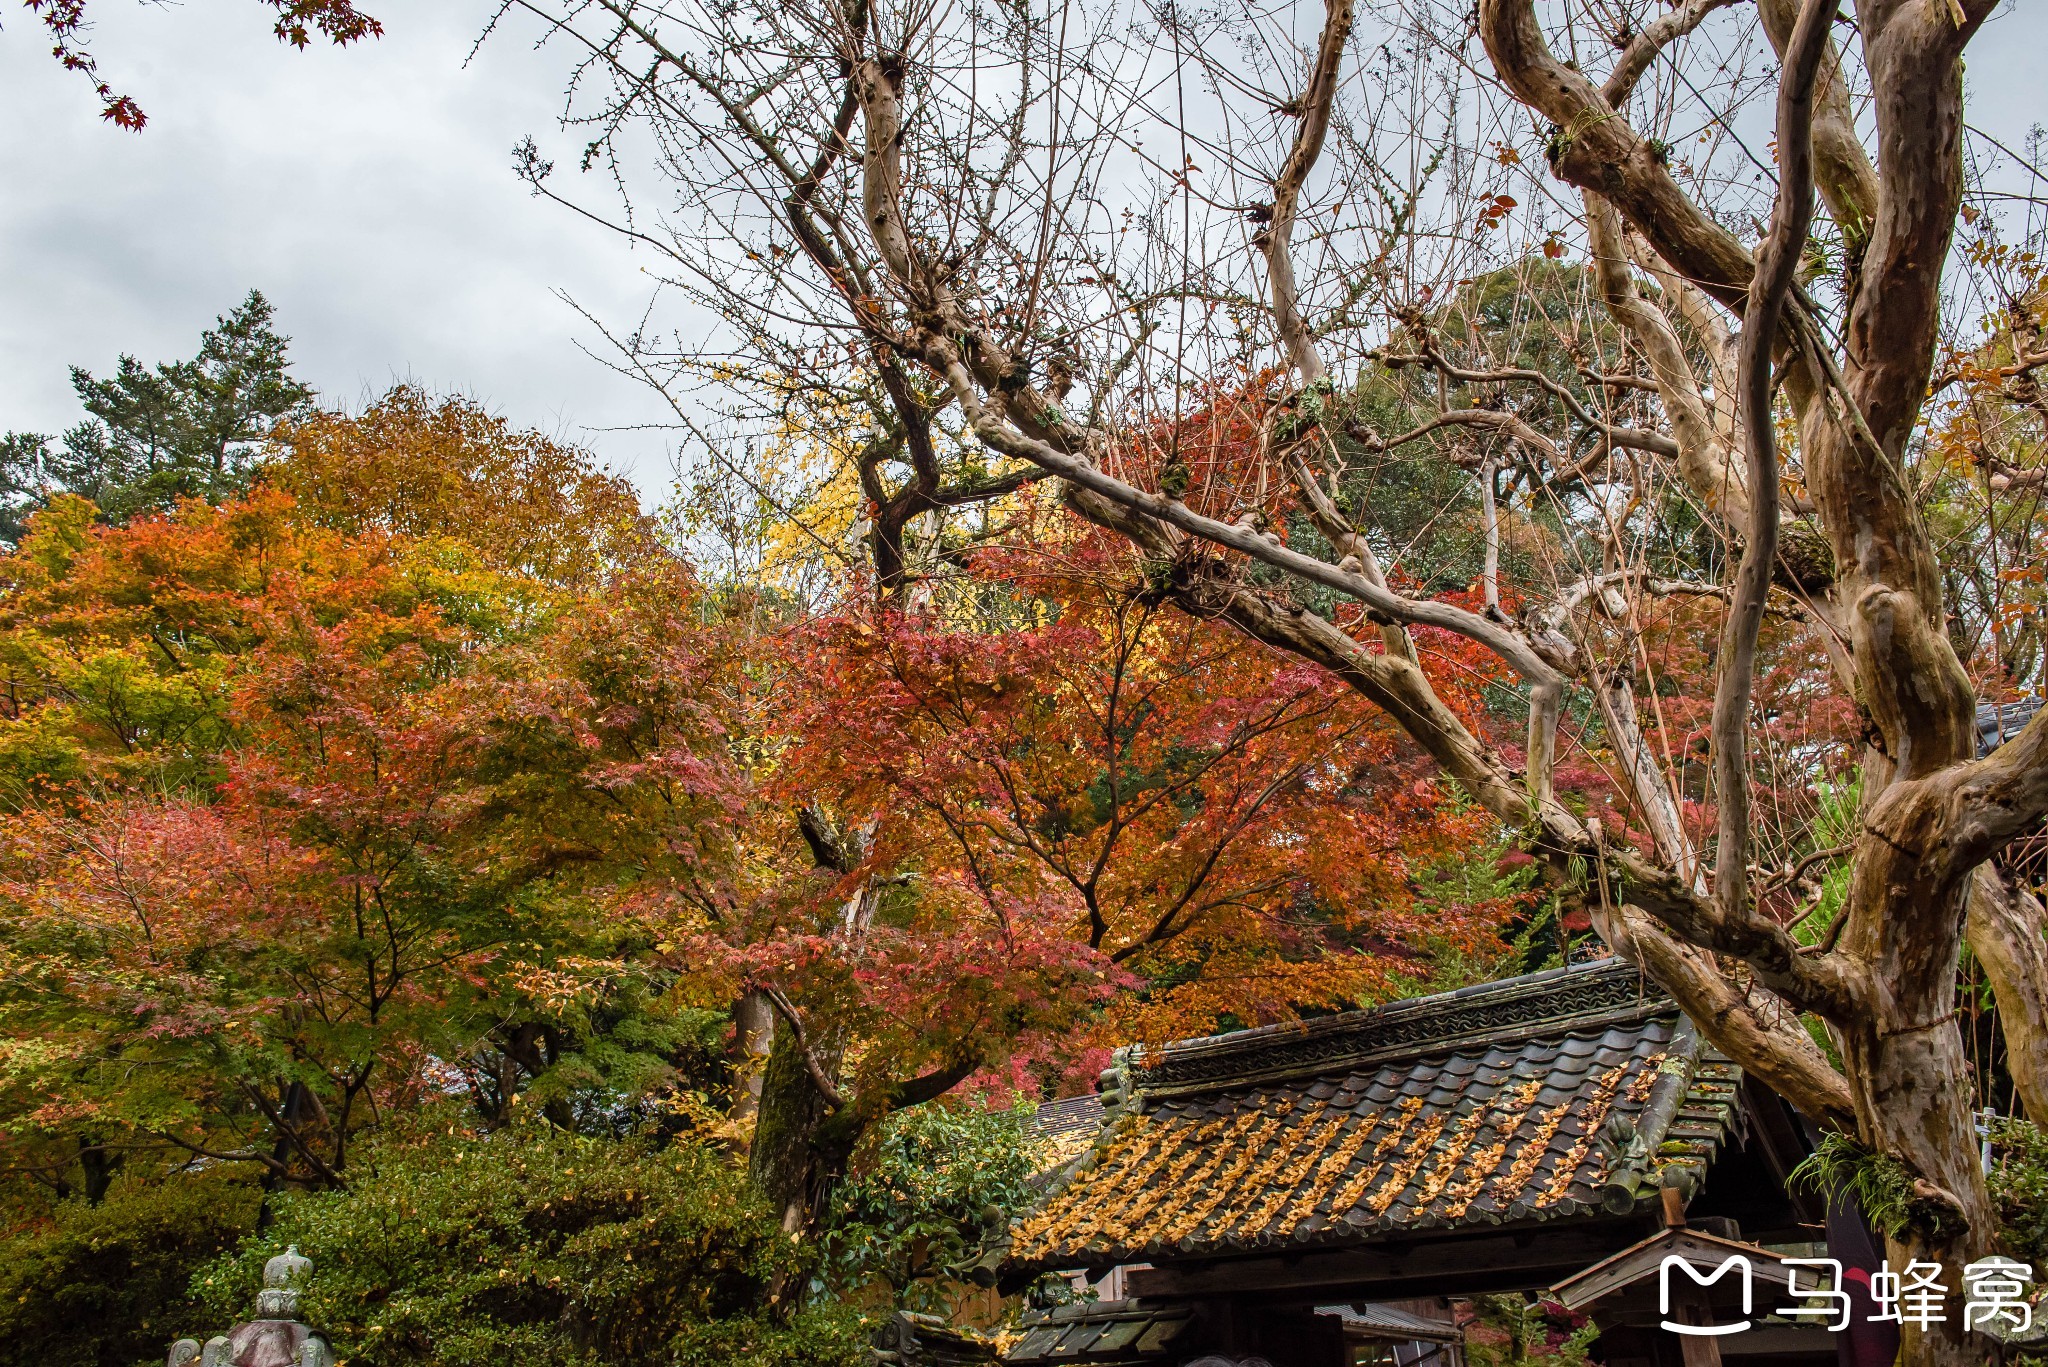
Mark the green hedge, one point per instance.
(107, 1285)
(538, 1247)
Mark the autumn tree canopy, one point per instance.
(1682, 371)
(372, 790)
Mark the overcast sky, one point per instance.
(369, 193)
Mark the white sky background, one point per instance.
(369, 193)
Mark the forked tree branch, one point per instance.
(1988, 803)
(1826, 985)
(1703, 458)
(784, 1008)
(1611, 434)
(2005, 933)
(1841, 167)
(1276, 241)
(1754, 1027)
(1650, 42)
(1315, 108)
(1594, 148)
(1012, 441)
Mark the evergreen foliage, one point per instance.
(106, 1285)
(182, 429)
(2019, 1186)
(531, 1245)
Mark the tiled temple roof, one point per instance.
(1102, 1334)
(1392, 1324)
(1556, 1094)
(1998, 723)
(1064, 1130)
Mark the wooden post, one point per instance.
(1699, 1350)
(1692, 1305)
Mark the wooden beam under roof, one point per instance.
(1528, 1259)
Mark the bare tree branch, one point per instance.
(1768, 292)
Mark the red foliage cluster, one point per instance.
(65, 23)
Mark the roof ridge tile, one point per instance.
(1610, 991)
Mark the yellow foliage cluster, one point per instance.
(429, 468)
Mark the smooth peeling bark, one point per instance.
(2008, 932)
(1705, 461)
(1764, 310)
(1760, 1031)
(1912, 1100)
(753, 1029)
(1908, 677)
(1841, 166)
(1905, 914)
(1904, 1057)
(1595, 149)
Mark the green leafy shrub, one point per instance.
(106, 1285)
(1882, 1184)
(2019, 1188)
(1515, 1331)
(530, 1246)
(936, 1179)
(827, 1335)
(1884, 1188)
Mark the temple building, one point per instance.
(1319, 1194)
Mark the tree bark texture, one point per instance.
(787, 1163)
(2008, 932)
(753, 1029)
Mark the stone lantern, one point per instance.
(275, 1338)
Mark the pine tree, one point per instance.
(187, 429)
(183, 429)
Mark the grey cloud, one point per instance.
(369, 192)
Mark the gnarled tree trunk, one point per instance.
(789, 1163)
